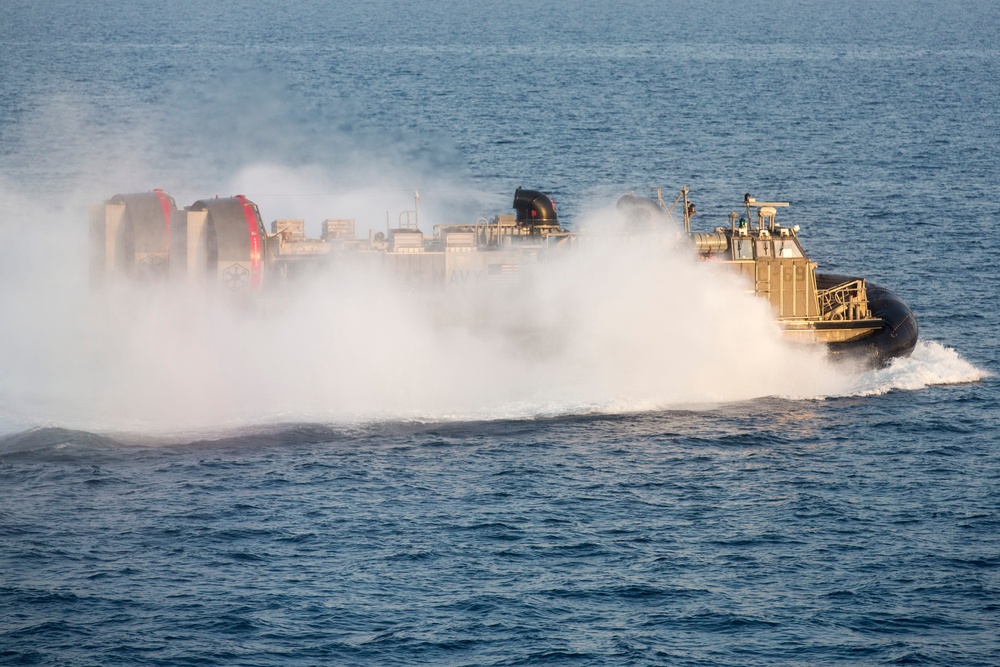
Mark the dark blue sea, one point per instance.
(616, 464)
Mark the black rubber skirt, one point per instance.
(896, 338)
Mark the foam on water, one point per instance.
(930, 364)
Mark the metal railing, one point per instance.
(847, 301)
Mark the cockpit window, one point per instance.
(787, 248)
(764, 249)
(743, 249)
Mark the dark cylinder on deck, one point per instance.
(534, 208)
(640, 212)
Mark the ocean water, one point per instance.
(616, 464)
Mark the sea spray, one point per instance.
(619, 322)
(626, 322)
(930, 364)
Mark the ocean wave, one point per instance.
(931, 364)
(55, 443)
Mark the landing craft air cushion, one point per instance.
(143, 236)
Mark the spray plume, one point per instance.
(611, 326)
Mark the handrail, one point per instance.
(846, 301)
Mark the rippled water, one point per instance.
(772, 532)
(641, 491)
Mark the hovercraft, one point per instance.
(852, 317)
(223, 242)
